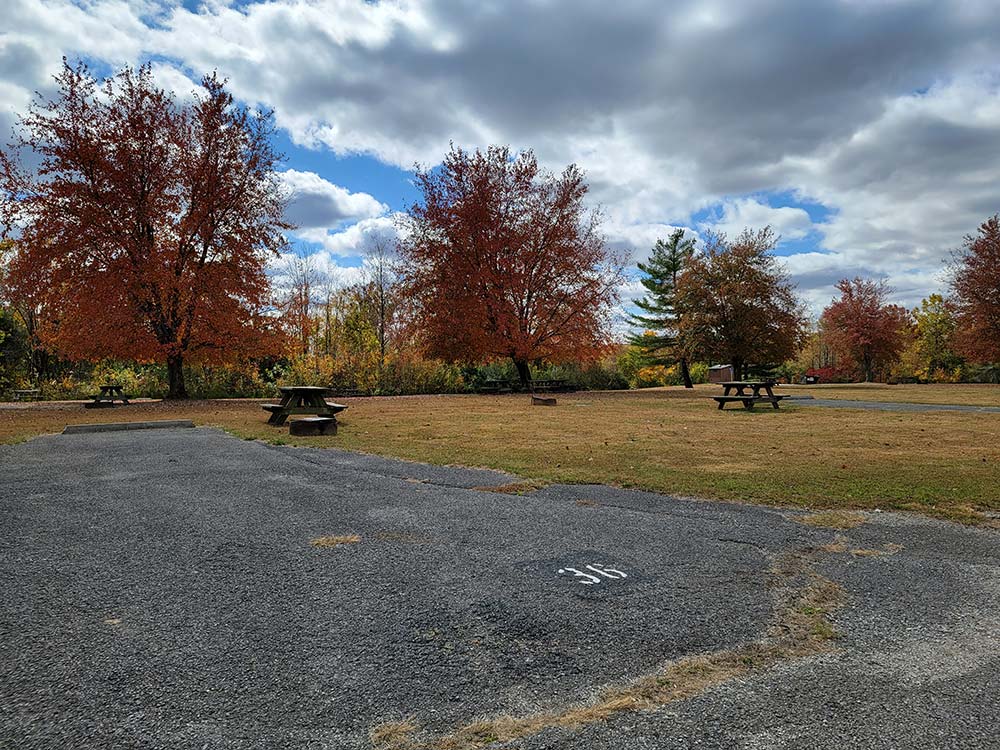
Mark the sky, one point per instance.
(865, 132)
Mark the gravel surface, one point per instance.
(160, 591)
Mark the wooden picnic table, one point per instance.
(497, 386)
(27, 394)
(548, 386)
(110, 394)
(301, 399)
(737, 390)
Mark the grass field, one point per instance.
(944, 464)
(970, 394)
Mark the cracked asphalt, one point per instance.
(159, 590)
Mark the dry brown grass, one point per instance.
(393, 735)
(329, 542)
(801, 627)
(841, 544)
(945, 464)
(969, 394)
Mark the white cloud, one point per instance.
(316, 204)
(671, 108)
(350, 242)
(737, 214)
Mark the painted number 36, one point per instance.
(598, 573)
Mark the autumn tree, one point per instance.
(935, 326)
(502, 260)
(976, 284)
(863, 329)
(659, 316)
(737, 304)
(146, 228)
(14, 341)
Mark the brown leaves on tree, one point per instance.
(502, 260)
(976, 283)
(737, 304)
(145, 232)
(862, 329)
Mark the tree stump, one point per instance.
(311, 426)
(543, 401)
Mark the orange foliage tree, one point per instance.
(976, 283)
(862, 328)
(502, 260)
(145, 231)
(737, 305)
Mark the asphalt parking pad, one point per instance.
(161, 589)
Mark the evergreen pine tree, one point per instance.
(659, 314)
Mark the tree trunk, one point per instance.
(175, 377)
(523, 372)
(686, 373)
(737, 369)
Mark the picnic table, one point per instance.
(737, 390)
(110, 394)
(549, 386)
(27, 394)
(497, 386)
(301, 399)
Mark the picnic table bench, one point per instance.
(27, 394)
(736, 390)
(549, 386)
(110, 394)
(497, 386)
(301, 399)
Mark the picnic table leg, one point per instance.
(770, 395)
(278, 418)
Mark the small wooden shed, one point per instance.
(720, 373)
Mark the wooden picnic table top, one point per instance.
(748, 382)
(303, 389)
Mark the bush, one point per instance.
(601, 375)
(831, 374)
(14, 353)
(320, 370)
(150, 381)
(406, 377)
(988, 373)
(226, 382)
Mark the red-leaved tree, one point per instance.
(737, 305)
(502, 260)
(863, 329)
(145, 232)
(976, 283)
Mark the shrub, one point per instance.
(243, 381)
(406, 377)
(832, 374)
